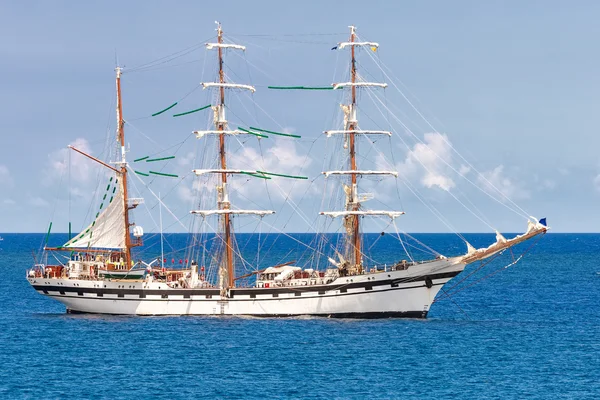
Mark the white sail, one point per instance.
(358, 132)
(210, 46)
(107, 231)
(205, 213)
(359, 172)
(358, 84)
(228, 86)
(223, 171)
(347, 44)
(335, 214)
(200, 134)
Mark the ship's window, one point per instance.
(394, 285)
(209, 296)
(142, 296)
(121, 295)
(62, 292)
(79, 293)
(343, 290)
(298, 294)
(99, 294)
(165, 296)
(45, 291)
(186, 296)
(321, 292)
(275, 294)
(369, 287)
(253, 296)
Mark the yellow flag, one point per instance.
(374, 48)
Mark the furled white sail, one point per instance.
(335, 214)
(228, 86)
(107, 231)
(358, 132)
(346, 44)
(205, 213)
(358, 84)
(358, 172)
(210, 46)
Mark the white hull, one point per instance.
(407, 293)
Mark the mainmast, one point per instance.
(352, 204)
(352, 260)
(224, 210)
(123, 171)
(227, 266)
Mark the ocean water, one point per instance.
(529, 331)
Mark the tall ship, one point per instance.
(101, 275)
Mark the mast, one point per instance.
(352, 260)
(227, 263)
(123, 171)
(224, 210)
(353, 205)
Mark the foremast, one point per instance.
(352, 259)
(122, 165)
(110, 230)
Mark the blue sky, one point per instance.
(512, 85)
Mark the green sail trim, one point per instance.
(255, 175)
(160, 159)
(139, 159)
(48, 234)
(252, 133)
(282, 175)
(166, 109)
(141, 173)
(163, 174)
(276, 133)
(108, 187)
(301, 87)
(192, 111)
(114, 190)
(104, 198)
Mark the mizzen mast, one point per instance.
(352, 260)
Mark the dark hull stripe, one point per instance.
(216, 298)
(363, 315)
(312, 290)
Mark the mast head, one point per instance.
(352, 29)
(118, 69)
(219, 30)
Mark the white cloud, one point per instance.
(282, 158)
(430, 161)
(186, 160)
(548, 184)
(38, 202)
(9, 202)
(189, 193)
(5, 177)
(464, 170)
(81, 167)
(597, 182)
(496, 179)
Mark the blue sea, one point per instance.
(531, 330)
